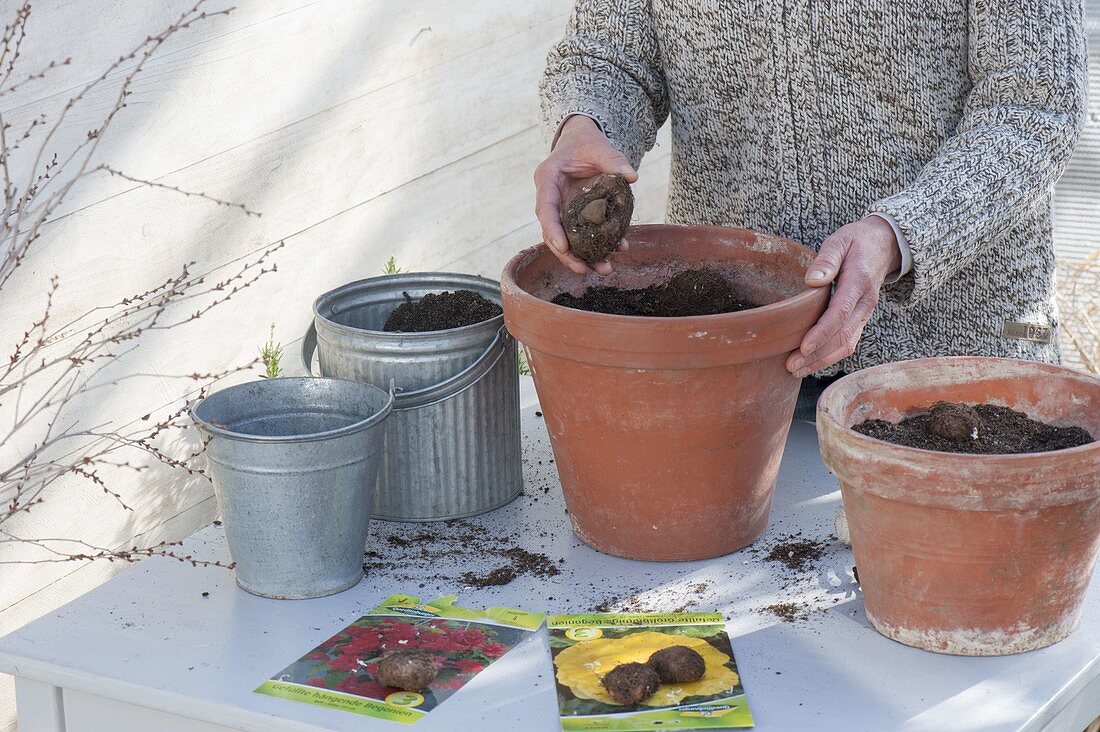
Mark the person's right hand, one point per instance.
(581, 154)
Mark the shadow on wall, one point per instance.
(75, 510)
(437, 134)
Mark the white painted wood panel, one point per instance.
(353, 48)
(91, 713)
(41, 708)
(359, 129)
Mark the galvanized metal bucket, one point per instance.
(294, 462)
(453, 443)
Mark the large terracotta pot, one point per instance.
(667, 432)
(966, 554)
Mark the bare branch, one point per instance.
(193, 194)
(52, 368)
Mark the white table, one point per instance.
(147, 651)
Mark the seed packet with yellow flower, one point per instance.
(402, 659)
(646, 671)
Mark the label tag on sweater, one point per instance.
(1028, 332)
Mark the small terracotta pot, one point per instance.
(976, 555)
(667, 432)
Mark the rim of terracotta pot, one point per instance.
(654, 342)
(956, 480)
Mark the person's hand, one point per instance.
(858, 257)
(581, 154)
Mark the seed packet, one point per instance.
(341, 673)
(586, 648)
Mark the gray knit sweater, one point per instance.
(796, 117)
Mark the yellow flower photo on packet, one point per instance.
(587, 649)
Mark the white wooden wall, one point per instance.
(359, 128)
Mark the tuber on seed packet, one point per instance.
(586, 648)
(342, 673)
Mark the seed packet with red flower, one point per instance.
(429, 649)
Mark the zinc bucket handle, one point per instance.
(436, 393)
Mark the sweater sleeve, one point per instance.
(608, 67)
(1021, 119)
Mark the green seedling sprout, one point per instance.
(270, 355)
(524, 367)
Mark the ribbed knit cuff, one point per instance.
(557, 132)
(903, 249)
(927, 248)
(623, 114)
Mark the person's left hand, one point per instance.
(858, 256)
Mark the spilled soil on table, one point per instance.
(797, 554)
(421, 553)
(789, 612)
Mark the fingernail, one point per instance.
(817, 274)
(625, 170)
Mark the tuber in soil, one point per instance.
(955, 422)
(596, 220)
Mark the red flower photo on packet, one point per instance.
(454, 643)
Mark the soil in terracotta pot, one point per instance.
(596, 220)
(692, 292)
(979, 429)
(440, 312)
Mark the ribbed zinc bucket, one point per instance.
(453, 443)
(294, 462)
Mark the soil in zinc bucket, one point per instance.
(978, 429)
(701, 291)
(440, 311)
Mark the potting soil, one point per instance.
(422, 553)
(440, 312)
(980, 429)
(701, 291)
(789, 612)
(597, 218)
(796, 553)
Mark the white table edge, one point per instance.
(60, 677)
(1061, 712)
